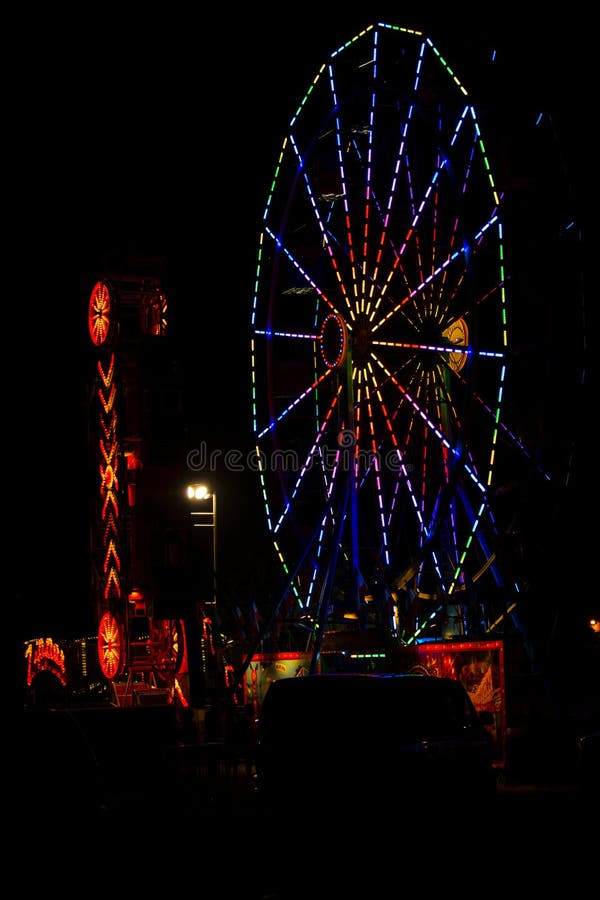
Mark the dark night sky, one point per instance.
(157, 136)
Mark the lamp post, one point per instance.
(206, 518)
(202, 649)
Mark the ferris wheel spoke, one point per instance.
(350, 159)
(426, 236)
(317, 458)
(393, 460)
(295, 262)
(434, 427)
(478, 535)
(368, 464)
(385, 237)
(330, 244)
(421, 500)
(287, 410)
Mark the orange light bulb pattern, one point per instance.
(100, 314)
(110, 645)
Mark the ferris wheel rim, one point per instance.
(440, 354)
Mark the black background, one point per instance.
(154, 133)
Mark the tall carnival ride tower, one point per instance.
(152, 642)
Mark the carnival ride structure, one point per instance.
(380, 351)
(140, 652)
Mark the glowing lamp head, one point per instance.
(198, 492)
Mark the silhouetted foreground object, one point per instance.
(379, 740)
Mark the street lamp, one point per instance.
(206, 518)
(203, 510)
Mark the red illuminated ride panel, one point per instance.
(110, 646)
(100, 314)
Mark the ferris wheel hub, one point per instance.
(334, 341)
(362, 338)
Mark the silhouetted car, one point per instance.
(371, 739)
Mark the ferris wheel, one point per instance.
(380, 347)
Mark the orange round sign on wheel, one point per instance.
(110, 646)
(100, 314)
